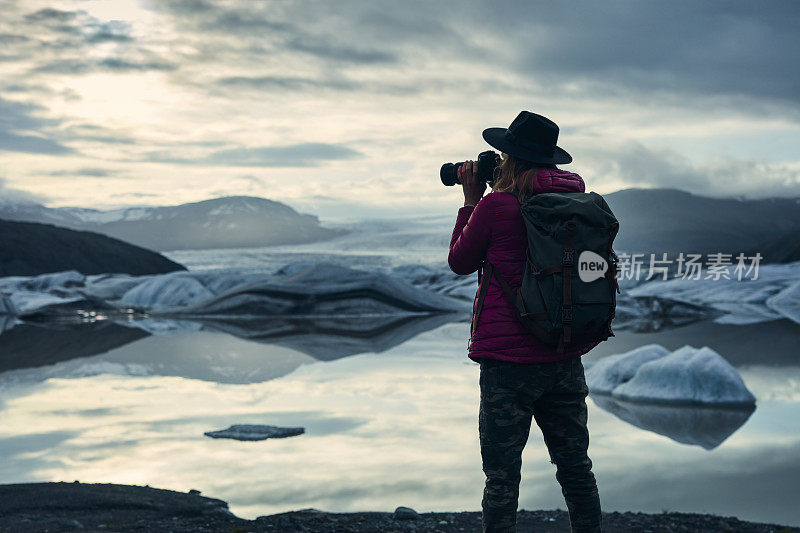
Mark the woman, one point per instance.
(520, 377)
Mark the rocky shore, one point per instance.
(107, 507)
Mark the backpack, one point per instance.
(569, 286)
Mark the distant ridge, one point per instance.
(31, 248)
(783, 250)
(673, 221)
(227, 222)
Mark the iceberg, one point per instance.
(7, 306)
(441, 280)
(691, 376)
(607, 373)
(297, 289)
(772, 296)
(787, 302)
(168, 290)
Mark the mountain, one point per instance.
(31, 248)
(670, 220)
(228, 222)
(783, 250)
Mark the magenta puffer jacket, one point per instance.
(494, 230)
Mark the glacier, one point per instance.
(689, 375)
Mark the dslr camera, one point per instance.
(488, 165)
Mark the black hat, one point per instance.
(531, 137)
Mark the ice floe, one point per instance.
(298, 289)
(773, 295)
(694, 376)
(254, 432)
(787, 302)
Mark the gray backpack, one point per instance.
(568, 292)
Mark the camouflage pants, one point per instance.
(554, 394)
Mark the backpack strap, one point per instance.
(491, 271)
(566, 284)
(611, 275)
(488, 268)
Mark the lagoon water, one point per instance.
(391, 419)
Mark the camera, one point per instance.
(488, 162)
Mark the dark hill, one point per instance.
(786, 249)
(669, 220)
(31, 248)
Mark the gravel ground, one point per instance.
(105, 507)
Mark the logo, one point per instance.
(591, 266)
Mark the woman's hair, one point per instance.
(516, 173)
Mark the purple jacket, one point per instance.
(494, 230)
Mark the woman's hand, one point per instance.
(473, 188)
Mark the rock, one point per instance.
(254, 432)
(405, 513)
(194, 491)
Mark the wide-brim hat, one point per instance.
(532, 137)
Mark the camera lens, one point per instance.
(449, 174)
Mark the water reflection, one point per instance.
(328, 338)
(384, 429)
(707, 427)
(37, 344)
(33, 345)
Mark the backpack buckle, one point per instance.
(567, 259)
(566, 314)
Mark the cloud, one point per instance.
(636, 165)
(324, 50)
(74, 42)
(31, 144)
(50, 14)
(631, 47)
(621, 47)
(18, 195)
(22, 131)
(283, 83)
(106, 64)
(112, 31)
(293, 155)
(95, 133)
(90, 172)
(80, 24)
(133, 195)
(198, 82)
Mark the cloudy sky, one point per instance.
(349, 108)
